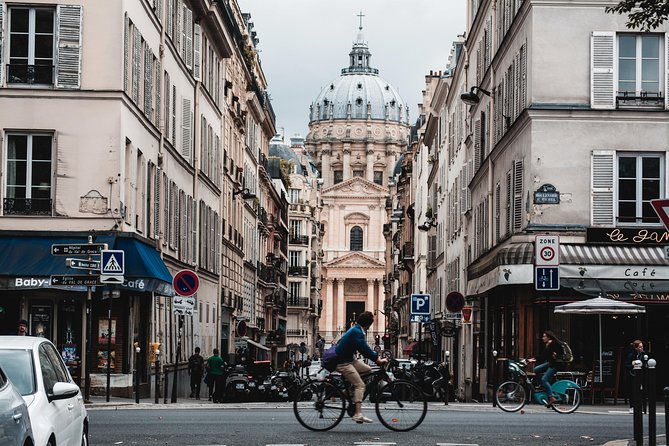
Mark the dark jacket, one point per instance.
(550, 353)
(633, 355)
(352, 341)
(196, 364)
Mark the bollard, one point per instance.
(446, 376)
(650, 380)
(137, 350)
(636, 398)
(166, 385)
(157, 377)
(494, 378)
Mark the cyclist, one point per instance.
(548, 366)
(351, 368)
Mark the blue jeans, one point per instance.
(547, 374)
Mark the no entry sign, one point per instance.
(185, 282)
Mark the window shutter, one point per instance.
(159, 86)
(498, 211)
(169, 18)
(156, 202)
(477, 144)
(174, 115)
(602, 90)
(136, 64)
(186, 126)
(602, 187)
(666, 65)
(188, 37)
(68, 65)
(126, 42)
(517, 195)
(523, 77)
(197, 51)
(2, 16)
(158, 6)
(509, 195)
(148, 72)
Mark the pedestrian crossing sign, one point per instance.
(113, 263)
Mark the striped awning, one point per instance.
(512, 254)
(581, 254)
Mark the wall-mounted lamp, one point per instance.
(427, 225)
(471, 97)
(246, 194)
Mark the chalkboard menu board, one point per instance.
(608, 369)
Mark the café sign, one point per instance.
(627, 236)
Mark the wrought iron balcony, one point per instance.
(299, 239)
(27, 206)
(30, 74)
(301, 302)
(298, 271)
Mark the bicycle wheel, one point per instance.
(510, 396)
(568, 400)
(401, 406)
(319, 406)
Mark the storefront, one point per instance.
(58, 313)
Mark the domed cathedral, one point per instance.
(358, 127)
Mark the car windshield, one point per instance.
(19, 367)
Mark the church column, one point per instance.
(370, 162)
(325, 164)
(341, 306)
(329, 308)
(347, 161)
(370, 302)
(392, 160)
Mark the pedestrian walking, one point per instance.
(215, 370)
(195, 370)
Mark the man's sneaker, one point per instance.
(362, 419)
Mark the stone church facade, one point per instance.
(358, 129)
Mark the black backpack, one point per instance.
(566, 355)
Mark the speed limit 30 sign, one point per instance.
(547, 250)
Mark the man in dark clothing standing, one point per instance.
(352, 369)
(195, 370)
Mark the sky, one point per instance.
(304, 44)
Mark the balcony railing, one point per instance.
(27, 206)
(647, 99)
(302, 302)
(30, 74)
(298, 271)
(299, 239)
(407, 250)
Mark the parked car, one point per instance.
(314, 368)
(55, 404)
(15, 427)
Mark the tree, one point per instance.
(644, 14)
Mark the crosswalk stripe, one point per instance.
(367, 443)
(457, 444)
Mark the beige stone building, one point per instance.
(358, 127)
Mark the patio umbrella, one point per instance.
(600, 305)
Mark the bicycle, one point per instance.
(512, 395)
(399, 404)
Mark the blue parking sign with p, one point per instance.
(420, 304)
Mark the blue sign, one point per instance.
(112, 263)
(420, 304)
(547, 278)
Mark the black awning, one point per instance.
(26, 263)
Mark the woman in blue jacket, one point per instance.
(351, 368)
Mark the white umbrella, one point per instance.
(599, 306)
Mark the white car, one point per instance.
(54, 401)
(14, 419)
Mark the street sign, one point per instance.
(185, 283)
(106, 279)
(75, 280)
(546, 278)
(420, 304)
(455, 301)
(83, 264)
(183, 305)
(419, 318)
(547, 250)
(452, 316)
(113, 262)
(661, 207)
(85, 249)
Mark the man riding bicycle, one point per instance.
(351, 368)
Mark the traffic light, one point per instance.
(377, 340)
(386, 341)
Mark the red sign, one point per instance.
(185, 283)
(661, 207)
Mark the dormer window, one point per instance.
(359, 86)
(358, 101)
(392, 103)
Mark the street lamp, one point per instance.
(427, 225)
(246, 194)
(471, 97)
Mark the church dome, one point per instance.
(359, 93)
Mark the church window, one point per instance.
(392, 103)
(359, 86)
(378, 177)
(338, 176)
(356, 238)
(358, 173)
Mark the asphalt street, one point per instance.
(264, 424)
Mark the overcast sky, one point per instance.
(304, 44)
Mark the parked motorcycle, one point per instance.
(238, 384)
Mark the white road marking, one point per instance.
(457, 444)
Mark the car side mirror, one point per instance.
(63, 391)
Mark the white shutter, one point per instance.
(666, 65)
(602, 63)
(197, 51)
(148, 73)
(174, 115)
(169, 19)
(136, 64)
(2, 16)
(602, 187)
(517, 195)
(158, 7)
(156, 202)
(477, 144)
(159, 86)
(186, 126)
(188, 37)
(126, 43)
(68, 65)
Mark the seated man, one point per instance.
(352, 369)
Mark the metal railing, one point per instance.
(27, 206)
